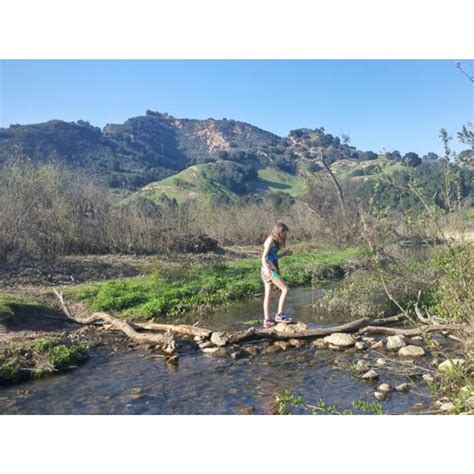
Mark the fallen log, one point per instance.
(182, 329)
(410, 332)
(165, 342)
(274, 334)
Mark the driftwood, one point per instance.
(164, 342)
(161, 335)
(419, 331)
(182, 329)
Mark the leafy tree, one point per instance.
(411, 159)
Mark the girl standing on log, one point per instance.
(270, 274)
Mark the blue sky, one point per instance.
(380, 104)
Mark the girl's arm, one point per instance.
(266, 248)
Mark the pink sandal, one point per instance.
(268, 323)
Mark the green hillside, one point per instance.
(197, 179)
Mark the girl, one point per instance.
(270, 274)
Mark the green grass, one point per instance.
(175, 290)
(189, 183)
(186, 184)
(21, 361)
(272, 179)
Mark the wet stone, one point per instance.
(380, 396)
(283, 345)
(381, 362)
(293, 327)
(361, 345)
(377, 345)
(370, 375)
(320, 344)
(297, 343)
(340, 339)
(236, 355)
(246, 410)
(411, 351)
(218, 338)
(384, 388)
(403, 387)
(216, 351)
(251, 350)
(272, 349)
(361, 366)
(394, 343)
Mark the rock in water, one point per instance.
(384, 388)
(239, 354)
(403, 387)
(320, 343)
(447, 407)
(377, 345)
(217, 351)
(361, 366)
(428, 378)
(251, 349)
(361, 345)
(219, 338)
(340, 339)
(381, 362)
(370, 375)
(411, 351)
(394, 343)
(290, 327)
(283, 345)
(450, 364)
(380, 396)
(297, 343)
(271, 349)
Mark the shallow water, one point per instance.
(136, 382)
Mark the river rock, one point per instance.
(251, 349)
(428, 378)
(292, 327)
(361, 345)
(219, 338)
(297, 343)
(320, 343)
(394, 343)
(380, 396)
(381, 362)
(377, 345)
(370, 375)
(205, 344)
(246, 410)
(417, 339)
(447, 407)
(361, 366)
(240, 354)
(450, 364)
(411, 351)
(216, 351)
(369, 339)
(283, 345)
(403, 387)
(340, 339)
(272, 349)
(384, 388)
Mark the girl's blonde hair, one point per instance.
(278, 235)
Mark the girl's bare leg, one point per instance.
(279, 283)
(267, 300)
